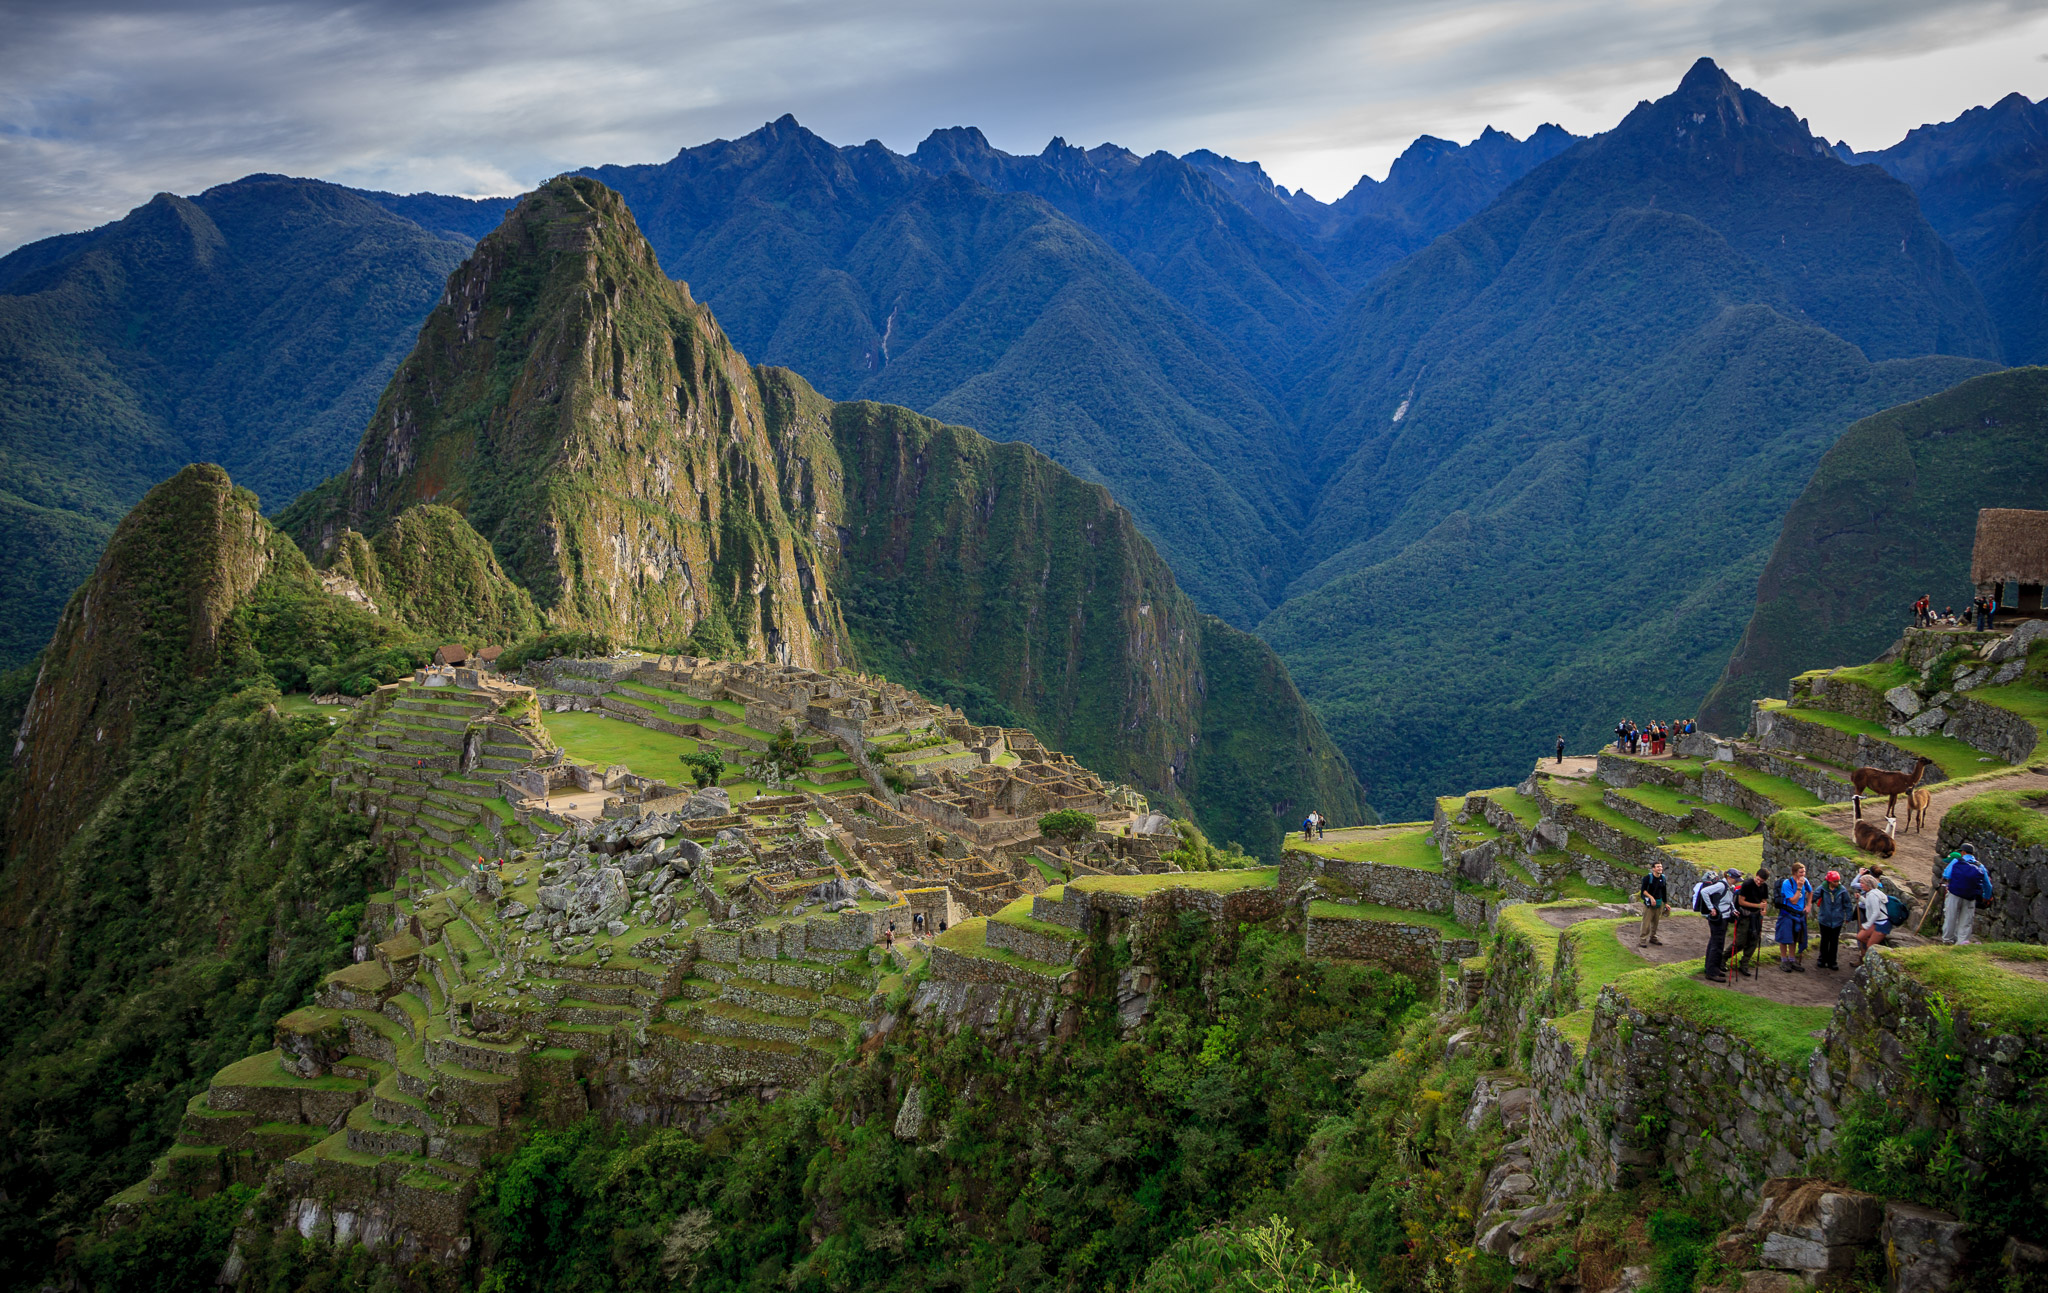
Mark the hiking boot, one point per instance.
(1655, 941)
(1799, 967)
(1785, 966)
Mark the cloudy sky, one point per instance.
(104, 102)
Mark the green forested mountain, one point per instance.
(878, 280)
(592, 423)
(1889, 514)
(1559, 441)
(252, 325)
(1983, 182)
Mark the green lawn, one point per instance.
(1408, 848)
(1745, 854)
(1525, 811)
(600, 741)
(1664, 799)
(1599, 955)
(303, 705)
(1576, 887)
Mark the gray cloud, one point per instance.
(102, 103)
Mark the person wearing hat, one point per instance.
(1718, 897)
(1833, 904)
(1967, 882)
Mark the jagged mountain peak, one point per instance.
(1707, 109)
(594, 424)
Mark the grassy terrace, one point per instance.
(1691, 766)
(1586, 798)
(1018, 914)
(1209, 881)
(1783, 1032)
(2015, 814)
(1442, 924)
(1524, 811)
(1404, 848)
(1576, 888)
(1745, 854)
(1783, 793)
(1954, 758)
(970, 938)
(1997, 996)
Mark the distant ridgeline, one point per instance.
(1577, 383)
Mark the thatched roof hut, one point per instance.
(453, 653)
(2012, 547)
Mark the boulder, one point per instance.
(2015, 646)
(709, 802)
(555, 897)
(616, 928)
(1812, 1226)
(910, 1118)
(1514, 1108)
(1929, 1250)
(1903, 699)
(683, 855)
(1503, 1236)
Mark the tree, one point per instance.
(1070, 824)
(704, 766)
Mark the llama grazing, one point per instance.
(1876, 781)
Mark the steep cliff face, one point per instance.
(593, 423)
(154, 620)
(988, 575)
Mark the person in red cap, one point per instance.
(1833, 904)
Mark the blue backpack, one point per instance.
(1966, 879)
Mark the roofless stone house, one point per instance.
(2010, 561)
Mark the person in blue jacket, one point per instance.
(1969, 882)
(1795, 897)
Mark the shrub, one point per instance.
(704, 766)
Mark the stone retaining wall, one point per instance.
(1825, 784)
(958, 967)
(1620, 770)
(1717, 787)
(2018, 911)
(1049, 949)
(1787, 730)
(1825, 691)
(1412, 949)
(1384, 884)
(1999, 733)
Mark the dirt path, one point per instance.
(1576, 767)
(1914, 861)
(1684, 938)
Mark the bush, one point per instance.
(546, 646)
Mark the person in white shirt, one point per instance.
(1876, 912)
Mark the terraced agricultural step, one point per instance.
(725, 1019)
(799, 1003)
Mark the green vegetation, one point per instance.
(592, 738)
(1070, 824)
(1989, 980)
(1953, 757)
(2015, 814)
(703, 765)
(1211, 882)
(253, 356)
(1785, 1033)
(1780, 791)
(1405, 848)
(1921, 468)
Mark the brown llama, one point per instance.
(1917, 800)
(1876, 781)
(1871, 838)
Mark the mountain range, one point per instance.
(1538, 406)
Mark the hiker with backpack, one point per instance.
(1833, 904)
(1968, 883)
(1875, 907)
(1794, 896)
(1750, 901)
(1714, 898)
